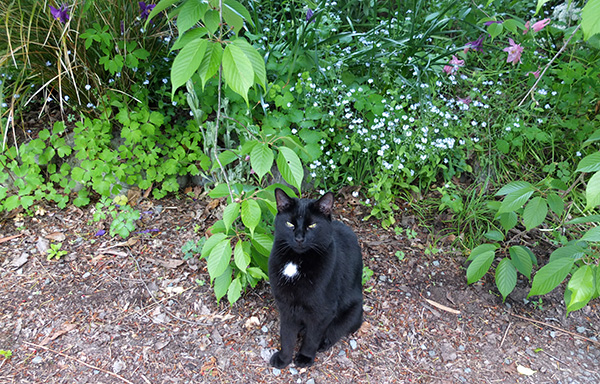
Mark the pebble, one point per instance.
(353, 344)
(86, 275)
(342, 353)
(276, 371)
(461, 347)
(467, 370)
(264, 329)
(432, 353)
(581, 329)
(552, 334)
(37, 360)
(293, 371)
(436, 263)
(310, 381)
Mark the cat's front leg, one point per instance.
(306, 355)
(288, 336)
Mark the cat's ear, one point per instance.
(325, 204)
(282, 199)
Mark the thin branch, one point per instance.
(548, 65)
(557, 328)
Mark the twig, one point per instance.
(557, 328)
(443, 307)
(548, 65)
(505, 334)
(79, 361)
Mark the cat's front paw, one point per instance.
(325, 345)
(279, 363)
(302, 361)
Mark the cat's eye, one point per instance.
(312, 226)
(289, 225)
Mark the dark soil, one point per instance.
(113, 311)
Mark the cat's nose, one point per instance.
(299, 239)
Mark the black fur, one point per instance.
(322, 302)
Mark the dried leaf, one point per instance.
(525, 371)
(56, 236)
(252, 322)
(169, 263)
(67, 327)
(19, 261)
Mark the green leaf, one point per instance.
(573, 251)
(234, 292)
(590, 163)
(290, 167)
(191, 12)
(187, 62)
(508, 220)
(230, 213)
(222, 284)
(592, 235)
(240, 10)
(220, 190)
(257, 273)
(495, 30)
(241, 257)
(540, 3)
(193, 34)
(232, 19)
(258, 62)
(263, 243)
(211, 242)
(585, 219)
(161, 6)
(237, 70)
(210, 62)
(514, 201)
(590, 20)
(535, 213)
(550, 276)
(482, 249)
(592, 191)
(556, 203)
(261, 159)
(582, 289)
(212, 20)
(513, 187)
(219, 258)
(479, 266)
(521, 260)
(506, 277)
(251, 214)
(494, 235)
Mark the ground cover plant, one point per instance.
(395, 100)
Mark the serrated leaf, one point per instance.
(521, 260)
(550, 276)
(230, 213)
(581, 287)
(240, 10)
(210, 244)
(483, 248)
(290, 167)
(263, 243)
(574, 252)
(592, 235)
(193, 34)
(535, 213)
(237, 70)
(592, 191)
(257, 273)
(556, 203)
(161, 6)
(219, 258)
(232, 19)
(479, 266)
(241, 256)
(513, 187)
(234, 292)
(191, 12)
(210, 62)
(258, 62)
(506, 277)
(590, 163)
(222, 283)
(251, 214)
(187, 62)
(212, 20)
(508, 220)
(261, 159)
(514, 200)
(585, 219)
(494, 235)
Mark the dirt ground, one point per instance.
(114, 311)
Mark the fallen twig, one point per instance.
(443, 307)
(557, 328)
(505, 333)
(8, 238)
(79, 361)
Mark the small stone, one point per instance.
(264, 329)
(86, 275)
(276, 371)
(552, 334)
(266, 354)
(37, 360)
(310, 381)
(342, 353)
(353, 344)
(467, 370)
(293, 371)
(507, 361)
(118, 366)
(436, 263)
(461, 348)
(581, 329)
(432, 353)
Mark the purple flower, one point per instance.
(101, 232)
(145, 9)
(309, 15)
(453, 65)
(61, 14)
(475, 45)
(514, 52)
(488, 23)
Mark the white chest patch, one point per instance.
(290, 270)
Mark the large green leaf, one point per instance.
(535, 212)
(161, 6)
(191, 12)
(187, 62)
(556, 203)
(481, 249)
(590, 163)
(573, 251)
(222, 284)
(230, 213)
(241, 257)
(479, 266)
(550, 276)
(290, 167)
(592, 235)
(506, 277)
(219, 258)
(514, 200)
(234, 292)
(210, 62)
(513, 187)
(258, 62)
(590, 19)
(508, 220)
(581, 287)
(592, 191)
(261, 159)
(251, 214)
(237, 70)
(521, 260)
(263, 243)
(232, 19)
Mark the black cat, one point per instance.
(315, 270)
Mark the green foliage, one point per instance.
(54, 252)
(7, 354)
(122, 216)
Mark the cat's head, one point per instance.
(303, 224)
